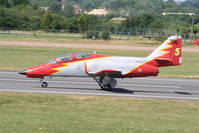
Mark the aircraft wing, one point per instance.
(107, 68)
(109, 72)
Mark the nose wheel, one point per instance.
(44, 84)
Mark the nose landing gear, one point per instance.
(43, 84)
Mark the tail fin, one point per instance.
(168, 53)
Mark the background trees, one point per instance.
(28, 14)
(9, 3)
(143, 20)
(84, 21)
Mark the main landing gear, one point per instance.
(107, 86)
(43, 84)
(106, 83)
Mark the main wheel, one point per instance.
(107, 87)
(44, 85)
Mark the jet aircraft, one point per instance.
(105, 69)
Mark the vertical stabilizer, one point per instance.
(168, 53)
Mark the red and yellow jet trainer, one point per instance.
(104, 69)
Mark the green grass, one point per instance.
(42, 113)
(18, 58)
(76, 38)
(67, 38)
(189, 68)
(12, 36)
(39, 38)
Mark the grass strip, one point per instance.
(76, 39)
(43, 113)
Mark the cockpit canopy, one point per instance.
(69, 57)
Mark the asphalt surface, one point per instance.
(163, 88)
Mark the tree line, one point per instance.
(24, 14)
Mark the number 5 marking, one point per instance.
(177, 52)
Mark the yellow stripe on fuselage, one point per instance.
(72, 62)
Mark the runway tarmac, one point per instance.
(163, 88)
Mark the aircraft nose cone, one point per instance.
(24, 72)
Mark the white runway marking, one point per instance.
(8, 72)
(100, 94)
(89, 83)
(173, 80)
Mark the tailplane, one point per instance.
(169, 53)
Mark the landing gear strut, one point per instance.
(43, 84)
